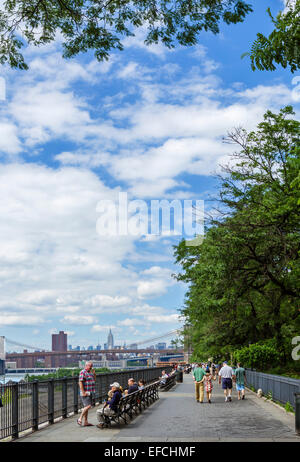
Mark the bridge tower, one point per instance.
(2, 355)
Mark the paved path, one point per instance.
(177, 417)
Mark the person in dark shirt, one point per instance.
(132, 387)
(110, 407)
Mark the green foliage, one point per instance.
(288, 407)
(269, 395)
(100, 25)
(243, 281)
(6, 396)
(257, 356)
(60, 373)
(283, 44)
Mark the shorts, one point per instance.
(226, 383)
(240, 387)
(86, 401)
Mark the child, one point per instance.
(207, 379)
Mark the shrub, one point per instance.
(260, 356)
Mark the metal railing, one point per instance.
(278, 387)
(28, 405)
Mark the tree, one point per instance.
(244, 284)
(100, 25)
(283, 44)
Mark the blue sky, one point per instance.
(148, 122)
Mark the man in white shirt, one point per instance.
(226, 374)
(163, 378)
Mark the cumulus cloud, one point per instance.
(78, 320)
(138, 127)
(10, 319)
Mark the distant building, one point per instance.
(10, 365)
(133, 346)
(90, 348)
(161, 346)
(110, 340)
(59, 341)
(105, 346)
(77, 348)
(98, 347)
(70, 347)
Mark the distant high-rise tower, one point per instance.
(59, 341)
(110, 340)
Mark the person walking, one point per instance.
(87, 380)
(226, 375)
(208, 386)
(240, 377)
(198, 376)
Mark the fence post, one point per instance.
(75, 391)
(35, 405)
(15, 410)
(64, 397)
(51, 401)
(297, 413)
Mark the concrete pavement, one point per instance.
(177, 417)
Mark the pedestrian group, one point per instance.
(204, 375)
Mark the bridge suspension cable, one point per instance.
(23, 345)
(153, 339)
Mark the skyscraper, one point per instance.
(59, 341)
(110, 340)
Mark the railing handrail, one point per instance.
(61, 398)
(281, 378)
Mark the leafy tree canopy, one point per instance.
(282, 47)
(244, 284)
(100, 25)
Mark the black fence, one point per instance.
(279, 388)
(29, 405)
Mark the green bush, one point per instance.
(288, 407)
(258, 356)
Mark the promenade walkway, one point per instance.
(177, 417)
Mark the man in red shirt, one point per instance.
(87, 379)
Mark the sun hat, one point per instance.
(115, 384)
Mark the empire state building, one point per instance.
(110, 340)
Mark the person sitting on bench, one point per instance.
(163, 378)
(110, 407)
(132, 387)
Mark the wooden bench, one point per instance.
(169, 383)
(132, 404)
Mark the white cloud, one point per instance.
(49, 243)
(108, 301)
(166, 319)
(131, 322)
(103, 328)
(78, 320)
(9, 319)
(151, 289)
